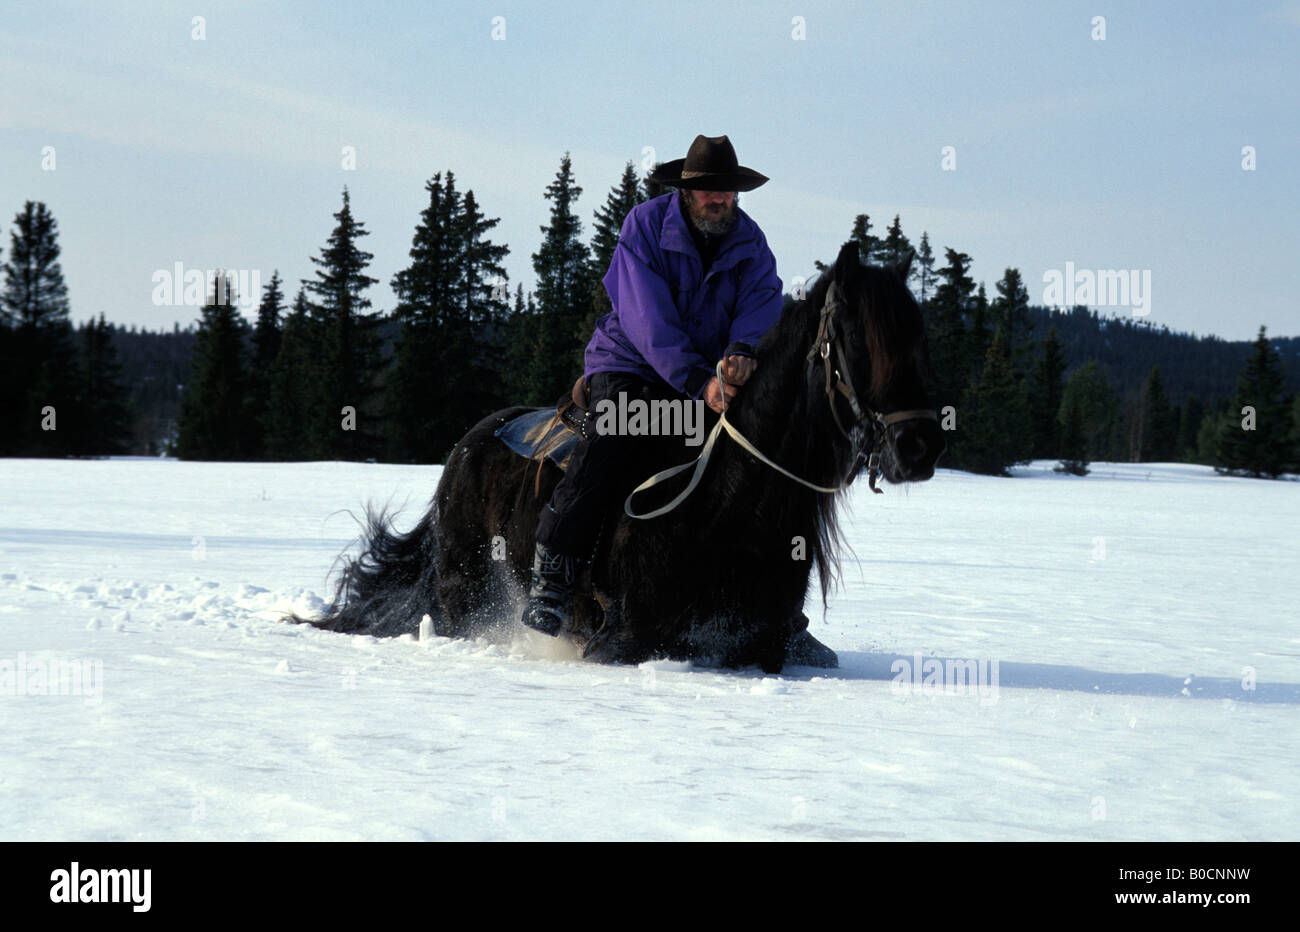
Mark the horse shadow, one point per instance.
(878, 665)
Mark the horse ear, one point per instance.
(848, 257)
(904, 268)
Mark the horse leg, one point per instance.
(470, 589)
(487, 517)
(804, 650)
(780, 645)
(600, 645)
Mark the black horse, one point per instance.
(721, 578)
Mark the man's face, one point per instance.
(712, 211)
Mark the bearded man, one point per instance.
(692, 281)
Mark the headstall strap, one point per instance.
(839, 380)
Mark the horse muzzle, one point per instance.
(912, 449)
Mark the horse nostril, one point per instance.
(911, 446)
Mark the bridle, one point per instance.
(840, 381)
(837, 381)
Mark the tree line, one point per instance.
(324, 376)
(61, 389)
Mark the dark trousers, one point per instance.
(604, 469)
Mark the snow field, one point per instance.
(1130, 613)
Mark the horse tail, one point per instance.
(392, 585)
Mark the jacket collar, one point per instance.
(741, 243)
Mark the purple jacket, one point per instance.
(667, 324)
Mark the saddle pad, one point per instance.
(539, 433)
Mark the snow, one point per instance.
(148, 690)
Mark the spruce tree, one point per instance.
(267, 334)
(979, 336)
(1074, 445)
(996, 433)
(486, 287)
(1011, 311)
(870, 246)
(34, 293)
(434, 337)
(650, 189)
(107, 414)
(1090, 390)
(1255, 440)
(521, 346)
(453, 315)
(342, 416)
(1157, 422)
(44, 385)
(53, 413)
(13, 394)
(948, 340)
(925, 274)
(426, 289)
(292, 386)
(1207, 435)
(417, 398)
(563, 267)
(482, 276)
(896, 247)
(213, 418)
(956, 287)
(1046, 387)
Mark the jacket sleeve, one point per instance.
(651, 321)
(758, 298)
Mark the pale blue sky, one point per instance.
(1115, 154)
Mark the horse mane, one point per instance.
(883, 316)
(888, 314)
(894, 330)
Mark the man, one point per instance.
(692, 281)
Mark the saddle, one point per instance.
(550, 433)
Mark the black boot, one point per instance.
(550, 598)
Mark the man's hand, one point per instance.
(737, 369)
(718, 396)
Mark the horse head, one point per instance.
(872, 355)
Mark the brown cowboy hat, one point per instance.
(710, 165)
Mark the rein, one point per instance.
(837, 381)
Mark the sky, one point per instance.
(1013, 132)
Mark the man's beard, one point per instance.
(710, 222)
